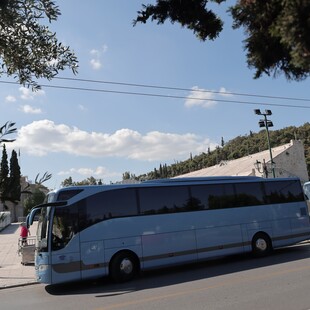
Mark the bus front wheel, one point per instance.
(261, 245)
(123, 267)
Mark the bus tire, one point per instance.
(124, 267)
(261, 245)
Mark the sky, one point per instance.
(158, 94)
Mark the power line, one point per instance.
(181, 89)
(166, 96)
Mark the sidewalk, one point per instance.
(12, 272)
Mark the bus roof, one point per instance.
(173, 181)
(203, 179)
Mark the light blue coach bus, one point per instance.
(91, 231)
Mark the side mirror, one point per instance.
(30, 216)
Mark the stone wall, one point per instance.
(292, 162)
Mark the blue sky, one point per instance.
(81, 133)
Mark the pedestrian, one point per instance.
(24, 232)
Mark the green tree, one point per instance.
(4, 176)
(191, 14)
(222, 142)
(89, 181)
(277, 31)
(14, 179)
(67, 182)
(284, 28)
(29, 49)
(126, 175)
(35, 198)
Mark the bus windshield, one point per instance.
(64, 227)
(42, 230)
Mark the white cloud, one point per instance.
(95, 53)
(82, 107)
(43, 137)
(96, 62)
(30, 110)
(28, 94)
(98, 172)
(223, 91)
(204, 98)
(10, 98)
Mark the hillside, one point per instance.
(238, 147)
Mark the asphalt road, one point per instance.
(280, 281)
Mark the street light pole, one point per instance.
(266, 123)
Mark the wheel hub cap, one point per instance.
(126, 266)
(261, 244)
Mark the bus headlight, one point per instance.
(42, 268)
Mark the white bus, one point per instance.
(117, 230)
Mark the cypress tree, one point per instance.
(14, 179)
(4, 176)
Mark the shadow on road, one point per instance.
(181, 274)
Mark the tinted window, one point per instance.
(217, 196)
(283, 191)
(168, 199)
(109, 204)
(67, 194)
(249, 194)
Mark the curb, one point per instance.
(18, 285)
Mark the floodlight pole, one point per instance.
(266, 123)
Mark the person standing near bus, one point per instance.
(24, 232)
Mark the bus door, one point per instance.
(65, 246)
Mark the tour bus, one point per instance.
(117, 230)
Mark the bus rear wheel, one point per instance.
(123, 267)
(261, 245)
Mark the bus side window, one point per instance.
(110, 204)
(283, 192)
(159, 200)
(211, 197)
(249, 194)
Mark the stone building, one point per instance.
(288, 161)
(17, 210)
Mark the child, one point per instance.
(24, 232)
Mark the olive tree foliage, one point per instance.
(277, 31)
(7, 129)
(37, 197)
(28, 49)
(36, 193)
